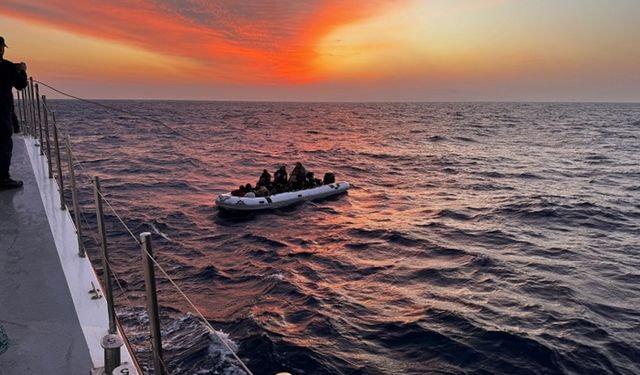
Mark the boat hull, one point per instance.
(230, 202)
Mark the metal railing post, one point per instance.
(16, 108)
(23, 116)
(106, 270)
(33, 110)
(152, 303)
(23, 120)
(46, 131)
(74, 198)
(56, 143)
(111, 343)
(32, 116)
(39, 114)
(25, 110)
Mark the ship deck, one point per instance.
(53, 325)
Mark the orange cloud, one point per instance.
(232, 41)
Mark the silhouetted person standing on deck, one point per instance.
(11, 75)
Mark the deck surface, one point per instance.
(36, 308)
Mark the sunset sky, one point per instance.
(360, 50)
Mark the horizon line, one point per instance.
(577, 101)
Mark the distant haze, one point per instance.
(331, 50)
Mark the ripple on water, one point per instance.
(478, 238)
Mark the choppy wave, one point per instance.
(477, 238)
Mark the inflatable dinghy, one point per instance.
(230, 202)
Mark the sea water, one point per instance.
(478, 238)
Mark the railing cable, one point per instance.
(117, 279)
(108, 203)
(206, 322)
(117, 110)
(198, 313)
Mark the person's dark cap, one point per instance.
(2, 43)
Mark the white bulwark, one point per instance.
(53, 323)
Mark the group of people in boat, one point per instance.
(299, 179)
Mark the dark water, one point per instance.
(477, 238)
